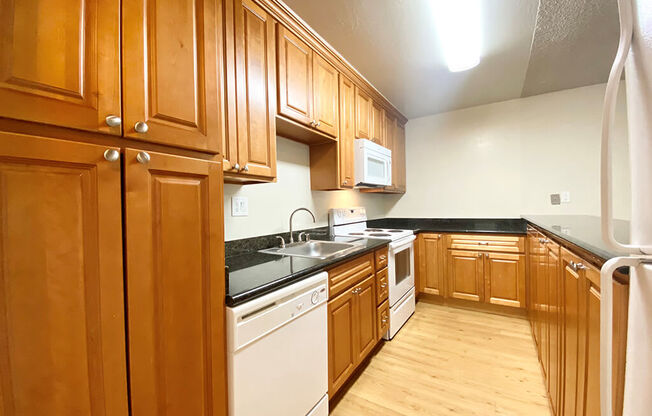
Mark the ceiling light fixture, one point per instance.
(459, 28)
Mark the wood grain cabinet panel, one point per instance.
(363, 123)
(465, 275)
(325, 95)
(60, 62)
(382, 316)
(175, 281)
(431, 264)
(399, 163)
(591, 405)
(62, 331)
(378, 124)
(251, 91)
(295, 77)
(382, 285)
(505, 279)
(572, 316)
(171, 57)
(553, 271)
(366, 317)
(342, 339)
(347, 132)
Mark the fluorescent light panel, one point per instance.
(459, 28)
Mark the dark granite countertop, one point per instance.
(582, 230)
(254, 274)
(454, 225)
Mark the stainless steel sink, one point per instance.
(312, 249)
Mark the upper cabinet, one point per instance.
(347, 132)
(251, 92)
(399, 164)
(307, 86)
(378, 124)
(60, 63)
(363, 121)
(170, 72)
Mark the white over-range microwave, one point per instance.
(373, 164)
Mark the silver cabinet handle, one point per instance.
(141, 127)
(143, 157)
(318, 124)
(345, 182)
(383, 257)
(479, 255)
(236, 166)
(384, 285)
(113, 121)
(245, 168)
(313, 123)
(111, 155)
(384, 320)
(580, 266)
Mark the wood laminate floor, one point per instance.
(449, 361)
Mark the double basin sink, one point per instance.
(312, 249)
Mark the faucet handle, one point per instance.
(300, 234)
(282, 241)
(307, 237)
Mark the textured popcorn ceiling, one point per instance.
(393, 43)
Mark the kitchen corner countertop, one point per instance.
(584, 231)
(454, 225)
(254, 274)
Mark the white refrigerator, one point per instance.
(635, 57)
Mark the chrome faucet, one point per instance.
(292, 215)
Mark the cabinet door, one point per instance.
(543, 293)
(62, 324)
(294, 77)
(347, 132)
(465, 275)
(170, 64)
(325, 95)
(175, 282)
(366, 317)
(592, 386)
(390, 132)
(505, 279)
(572, 315)
(433, 264)
(378, 124)
(255, 90)
(554, 323)
(363, 123)
(342, 348)
(398, 158)
(60, 62)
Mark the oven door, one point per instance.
(401, 268)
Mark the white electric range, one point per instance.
(352, 222)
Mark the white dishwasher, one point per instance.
(278, 352)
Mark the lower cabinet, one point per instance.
(504, 277)
(465, 275)
(355, 321)
(62, 252)
(430, 264)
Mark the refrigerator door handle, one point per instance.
(608, 118)
(606, 325)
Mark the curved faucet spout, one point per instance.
(292, 215)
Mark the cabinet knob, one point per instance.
(245, 168)
(313, 123)
(236, 166)
(141, 127)
(111, 155)
(479, 254)
(383, 257)
(318, 124)
(345, 182)
(384, 320)
(384, 285)
(113, 121)
(143, 157)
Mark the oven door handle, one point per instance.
(403, 242)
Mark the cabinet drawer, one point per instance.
(383, 319)
(382, 286)
(504, 243)
(350, 273)
(381, 258)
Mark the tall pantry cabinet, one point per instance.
(111, 208)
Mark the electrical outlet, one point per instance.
(565, 197)
(239, 206)
(555, 199)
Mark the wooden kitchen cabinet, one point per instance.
(554, 322)
(505, 279)
(366, 317)
(171, 72)
(325, 96)
(399, 163)
(55, 73)
(62, 299)
(466, 275)
(382, 316)
(382, 285)
(430, 264)
(342, 335)
(363, 117)
(174, 265)
(573, 313)
(347, 133)
(378, 124)
(250, 145)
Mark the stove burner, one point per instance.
(380, 235)
(394, 231)
(356, 233)
(374, 230)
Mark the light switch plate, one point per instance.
(555, 199)
(239, 206)
(565, 197)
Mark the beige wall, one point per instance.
(270, 204)
(504, 159)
